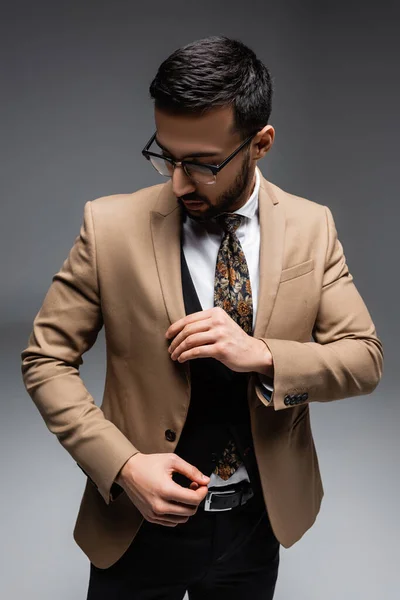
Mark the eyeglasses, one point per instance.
(198, 172)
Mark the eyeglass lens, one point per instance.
(196, 172)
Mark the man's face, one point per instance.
(210, 137)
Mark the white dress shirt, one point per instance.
(201, 242)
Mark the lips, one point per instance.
(192, 202)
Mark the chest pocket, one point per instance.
(297, 270)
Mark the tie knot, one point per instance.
(230, 222)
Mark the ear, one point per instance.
(263, 141)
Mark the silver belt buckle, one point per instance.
(207, 503)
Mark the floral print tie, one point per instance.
(232, 292)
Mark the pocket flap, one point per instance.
(297, 270)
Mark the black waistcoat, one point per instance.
(218, 409)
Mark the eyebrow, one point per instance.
(193, 155)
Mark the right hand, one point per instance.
(147, 480)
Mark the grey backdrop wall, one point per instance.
(75, 116)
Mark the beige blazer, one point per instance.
(123, 272)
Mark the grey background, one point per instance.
(75, 115)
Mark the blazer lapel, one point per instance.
(165, 222)
(272, 241)
(166, 236)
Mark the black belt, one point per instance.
(227, 497)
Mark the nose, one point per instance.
(181, 183)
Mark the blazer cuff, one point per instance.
(105, 482)
(115, 489)
(314, 372)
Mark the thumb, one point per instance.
(191, 472)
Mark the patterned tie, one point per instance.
(232, 292)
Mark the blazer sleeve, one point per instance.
(346, 358)
(65, 327)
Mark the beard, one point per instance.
(226, 201)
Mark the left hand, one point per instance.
(213, 333)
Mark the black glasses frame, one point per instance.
(214, 168)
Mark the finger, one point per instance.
(206, 351)
(181, 496)
(192, 328)
(179, 465)
(176, 511)
(171, 523)
(196, 340)
(198, 316)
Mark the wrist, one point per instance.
(121, 477)
(265, 364)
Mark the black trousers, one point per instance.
(221, 555)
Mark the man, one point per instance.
(228, 308)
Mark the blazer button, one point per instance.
(170, 435)
(287, 400)
(305, 396)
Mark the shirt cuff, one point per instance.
(266, 381)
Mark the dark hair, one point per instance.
(215, 71)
